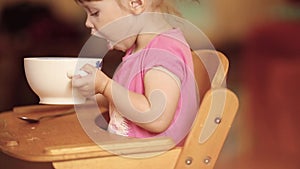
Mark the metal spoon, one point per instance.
(30, 120)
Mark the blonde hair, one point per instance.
(165, 6)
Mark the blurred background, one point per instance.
(261, 38)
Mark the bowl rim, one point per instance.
(47, 58)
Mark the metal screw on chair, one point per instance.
(218, 120)
(207, 160)
(189, 161)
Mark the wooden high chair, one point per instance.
(206, 138)
(63, 142)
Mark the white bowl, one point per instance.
(48, 78)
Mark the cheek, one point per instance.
(97, 24)
(118, 30)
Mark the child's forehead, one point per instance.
(82, 1)
(89, 3)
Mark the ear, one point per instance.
(137, 6)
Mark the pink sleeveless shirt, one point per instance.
(170, 51)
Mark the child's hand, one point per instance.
(94, 82)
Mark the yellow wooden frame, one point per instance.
(195, 154)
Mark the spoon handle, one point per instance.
(71, 111)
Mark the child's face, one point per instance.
(102, 20)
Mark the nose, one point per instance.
(88, 23)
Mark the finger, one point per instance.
(88, 68)
(85, 88)
(78, 82)
(70, 75)
(86, 93)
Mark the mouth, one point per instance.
(96, 33)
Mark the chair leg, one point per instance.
(198, 154)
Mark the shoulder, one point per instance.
(171, 38)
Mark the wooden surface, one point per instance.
(204, 154)
(165, 160)
(63, 138)
(176, 157)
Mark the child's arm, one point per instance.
(157, 79)
(137, 104)
(131, 103)
(102, 103)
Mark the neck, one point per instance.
(153, 24)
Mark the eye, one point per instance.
(96, 13)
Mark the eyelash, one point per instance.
(95, 13)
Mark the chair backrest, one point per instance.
(216, 113)
(210, 68)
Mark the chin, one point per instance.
(120, 48)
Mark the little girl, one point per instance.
(152, 92)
